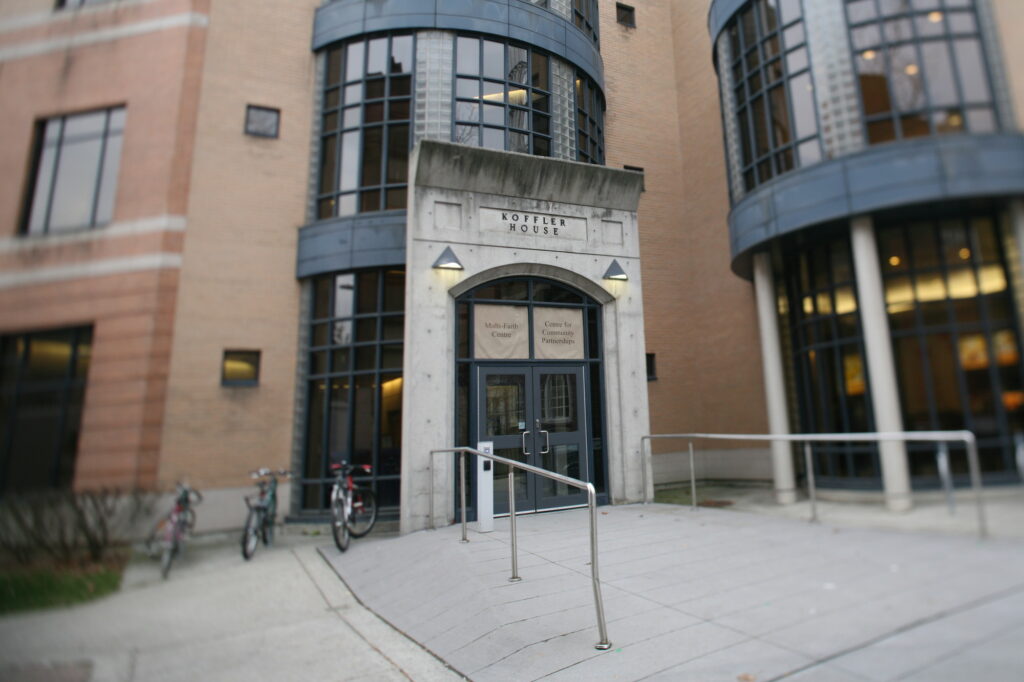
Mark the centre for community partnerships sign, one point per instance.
(501, 332)
(532, 224)
(558, 333)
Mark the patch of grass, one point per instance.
(673, 495)
(24, 588)
(682, 496)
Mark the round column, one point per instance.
(774, 384)
(885, 395)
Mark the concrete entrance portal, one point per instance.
(506, 264)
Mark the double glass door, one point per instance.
(535, 414)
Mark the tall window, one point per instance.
(921, 68)
(771, 93)
(818, 302)
(954, 334)
(584, 16)
(589, 120)
(42, 385)
(502, 96)
(74, 172)
(367, 110)
(355, 382)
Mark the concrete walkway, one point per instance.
(282, 616)
(709, 595)
(704, 596)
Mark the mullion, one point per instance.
(104, 140)
(55, 171)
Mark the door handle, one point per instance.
(547, 439)
(525, 433)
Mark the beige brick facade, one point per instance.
(700, 322)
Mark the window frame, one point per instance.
(112, 135)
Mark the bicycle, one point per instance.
(353, 508)
(259, 523)
(169, 533)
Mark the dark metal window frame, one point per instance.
(881, 48)
(240, 354)
(110, 133)
(625, 15)
(585, 18)
(765, 58)
(385, 192)
(590, 107)
(997, 448)
(812, 322)
(537, 112)
(19, 393)
(336, 357)
(255, 131)
(593, 358)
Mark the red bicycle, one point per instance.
(167, 539)
(353, 508)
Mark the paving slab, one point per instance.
(713, 595)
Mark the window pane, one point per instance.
(938, 71)
(398, 153)
(75, 188)
(971, 68)
(804, 116)
(780, 116)
(44, 178)
(354, 61)
(468, 55)
(377, 57)
(373, 142)
(494, 59)
(349, 161)
(108, 180)
(401, 54)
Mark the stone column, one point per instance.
(885, 395)
(774, 384)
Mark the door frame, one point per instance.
(530, 496)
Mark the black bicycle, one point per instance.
(353, 508)
(259, 523)
(167, 539)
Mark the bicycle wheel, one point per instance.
(364, 512)
(170, 550)
(267, 528)
(339, 529)
(251, 534)
(156, 537)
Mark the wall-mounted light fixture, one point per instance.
(615, 271)
(447, 260)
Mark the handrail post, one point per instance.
(810, 482)
(430, 468)
(462, 492)
(942, 460)
(603, 644)
(1018, 440)
(512, 524)
(975, 467)
(693, 482)
(643, 469)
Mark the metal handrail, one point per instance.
(603, 644)
(942, 437)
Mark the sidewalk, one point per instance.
(704, 596)
(282, 616)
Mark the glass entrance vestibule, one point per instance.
(529, 382)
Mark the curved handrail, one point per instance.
(513, 464)
(964, 436)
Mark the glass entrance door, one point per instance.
(534, 414)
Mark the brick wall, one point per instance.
(700, 320)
